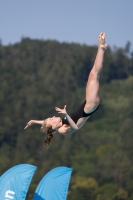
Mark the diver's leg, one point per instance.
(92, 88)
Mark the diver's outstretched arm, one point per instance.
(33, 122)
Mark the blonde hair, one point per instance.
(46, 128)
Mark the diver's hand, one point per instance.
(29, 124)
(61, 111)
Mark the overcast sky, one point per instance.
(78, 21)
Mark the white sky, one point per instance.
(78, 21)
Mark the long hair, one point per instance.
(46, 128)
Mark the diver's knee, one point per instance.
(93, 74)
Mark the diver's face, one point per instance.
(55, 122)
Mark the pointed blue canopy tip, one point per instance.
(54, 185)
(14, 183)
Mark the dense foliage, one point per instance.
(36, 76)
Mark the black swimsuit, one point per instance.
(77, 114)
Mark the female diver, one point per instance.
(71, 123)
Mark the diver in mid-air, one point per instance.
(71, 123)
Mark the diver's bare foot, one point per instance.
(101, 41)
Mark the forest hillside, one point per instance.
(36, 76)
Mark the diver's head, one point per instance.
(51, 124)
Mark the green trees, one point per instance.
(38, 75)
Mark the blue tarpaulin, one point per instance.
(54, 185)
(14, 183)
